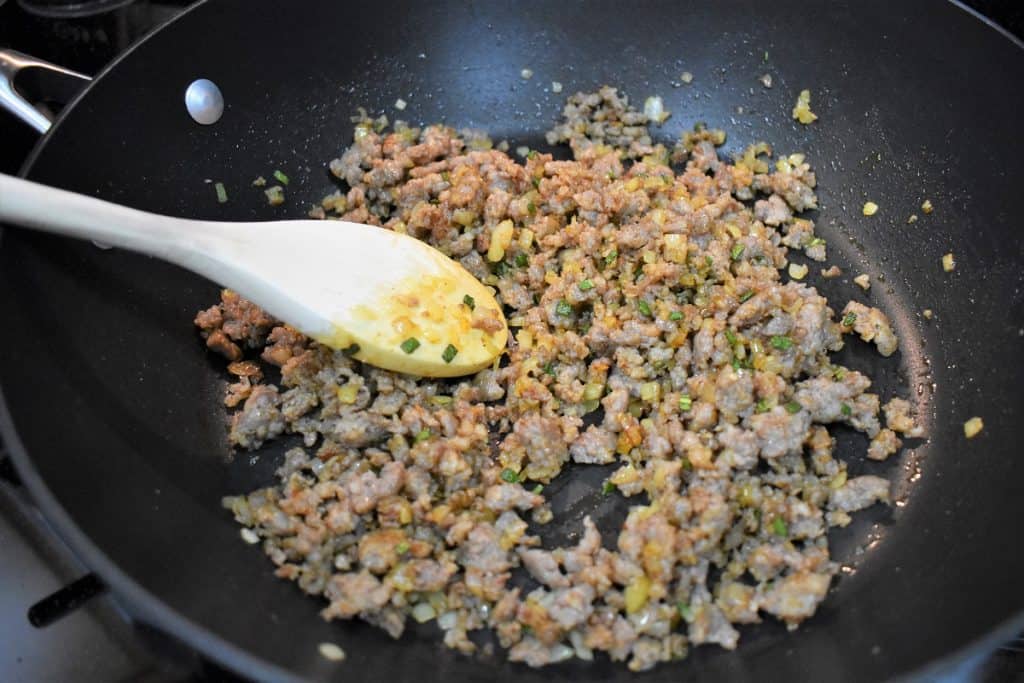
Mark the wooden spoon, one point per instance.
(389, 299)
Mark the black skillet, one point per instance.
(112, 408)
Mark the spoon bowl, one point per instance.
(387, 298)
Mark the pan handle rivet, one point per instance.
(204, 101)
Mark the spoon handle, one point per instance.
(31, 205)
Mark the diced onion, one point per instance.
(501, 237)
(802, 111)
(654, 109)
(332, 652)
(448, 620)
(582, 651)
(423, 612)
(560, 653)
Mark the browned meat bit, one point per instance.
(710, 625)
(772, 211)
(540, 440)
(245, 369)
(594, 446)
(739, 603)
(217, 341)
(232, 324)
(884, 444)
(859, 493)
(488, 320)
(486, 563)
(796, 597)
(284, 343)
(543, 567)
(898, 418)
(258, 420)
(237, 392)
(779, 431)
(247, 373)
(352, 594)
(504, 497)
(872, 325)
(379, 550)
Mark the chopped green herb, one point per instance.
(522, 260)
(745, 296)
(410, 344)
(501, 269)
(531, 208)
(675, 315)
(685, 611)
(793, 407)
(536, 182)
(351, 350)
(402, 548)
(469, 301)
(449, 353)
(586, 284)
(779, 527)
(610, 257)
(531, 154)
(838, 373)
(563, 307)
(781, 342)
(445, 176)
(846, 410)
(549, 368)
(762, 406)
(849, 319)
(607, 488)
(708, 261)
(730, 336)
(281, 177)
(511, 476)
(685, 402)
(643, 307)
(736, 364)
(816, 241)
(222, 194)
(538, 488)
(422, 435)
(736, 252)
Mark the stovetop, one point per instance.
(57, 622)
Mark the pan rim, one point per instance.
(146, 606)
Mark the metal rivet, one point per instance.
(204, 101)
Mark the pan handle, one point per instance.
(55, 81)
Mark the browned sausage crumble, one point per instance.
(651, 330)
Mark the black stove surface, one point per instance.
(56, 621)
